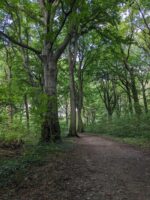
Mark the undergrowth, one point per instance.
(12, 170)
(129, 130)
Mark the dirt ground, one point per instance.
(95, 169)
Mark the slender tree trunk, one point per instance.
(137, 106)
(27, 112)
(72, 62)
(130, 102)
(134, 91)
(144, 98)
(110, 113)
(127, 85)
(87, 120)
(9, 78)
(66, 112)
(118, 107)
(50, 126)
(80, 100)
(72, 128)
(93, 116)
(80, 122)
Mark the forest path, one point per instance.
(96, 169)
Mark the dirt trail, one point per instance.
(96, 169)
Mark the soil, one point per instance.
(96, 168)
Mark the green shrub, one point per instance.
(124, 127)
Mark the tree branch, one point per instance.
(64, 21)
(63, 46)
(25, 46)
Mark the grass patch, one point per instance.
(142, 142)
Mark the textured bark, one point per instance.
(50, 126)
(50, 55)
(80, 122)
(72, 61)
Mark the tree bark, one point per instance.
(80, 100)
(66, 112)
(72, 61)
(50, 126)
(130, 101)
(137, 106)
(72, 128)
(27, 112)
(144, 97)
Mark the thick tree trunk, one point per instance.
(50, 126)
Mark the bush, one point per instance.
(124, 127)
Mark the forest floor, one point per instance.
(96, 168)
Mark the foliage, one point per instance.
(111, 72)
(129, 130)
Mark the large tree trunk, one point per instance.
(50, 126)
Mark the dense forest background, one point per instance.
(72, 66)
